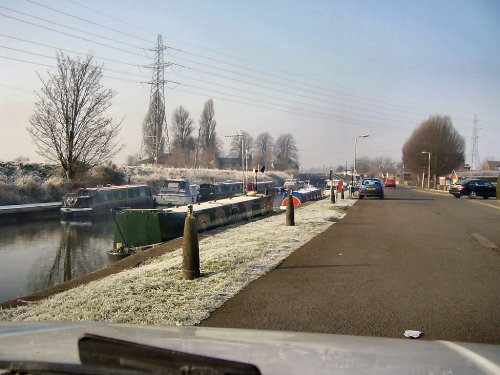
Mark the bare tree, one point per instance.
(437, 136)
(69, 125)
(235, 146)
(208, 146)
(182, 140)
(286, 156)
(263, 149)
(182, 129)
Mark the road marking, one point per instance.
(486, 204)
(440, 192)
(483, 241)
(480, 361)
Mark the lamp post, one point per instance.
(241, 136)
(428, 170)
(355, 146)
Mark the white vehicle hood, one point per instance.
(272, 352)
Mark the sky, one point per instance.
(325, 71)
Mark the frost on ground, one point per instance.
(156, 294)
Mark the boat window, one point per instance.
(183, 186)
(84, 193)
(174, 187)
(82, 202)
(107, 196)
(143, 192)
(130, 193)
(119, 194)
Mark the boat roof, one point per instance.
(113, 187)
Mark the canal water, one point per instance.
(35, 255)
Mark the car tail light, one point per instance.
(460, 187)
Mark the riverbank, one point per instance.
(155, 293)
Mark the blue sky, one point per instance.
(326, 71)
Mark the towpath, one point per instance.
(414, 260)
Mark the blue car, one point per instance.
(371, 187)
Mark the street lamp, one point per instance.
(241, 136)
(428, 171)
(355, 145)
(354, 167)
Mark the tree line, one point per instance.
(374, 167)
(69, 126)
(204, 150)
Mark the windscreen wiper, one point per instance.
(110, 356)
(103, 351)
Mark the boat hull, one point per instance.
(175, 200)
(302, 196)
(136, 228)
(93, 202)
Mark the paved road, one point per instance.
(415, 260)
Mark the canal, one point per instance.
(38, 254)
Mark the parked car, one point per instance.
(371, 187)
(390, 182)
(473, 188)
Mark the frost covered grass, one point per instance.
(155, 177)
(156, 294)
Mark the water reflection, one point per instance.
(35, 255)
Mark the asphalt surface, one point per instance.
(415, 260)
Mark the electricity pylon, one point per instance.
(154, 128)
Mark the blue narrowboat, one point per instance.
(98, 201)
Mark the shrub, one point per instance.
(56, 187)
(31, 189)
(9, 194)
(106, 174)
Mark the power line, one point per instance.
(294, 93)
(286, 79)
(264, 105)
(67, 50)
(368, 101)
(25, 61)
(88, 21)
(71, 35)
(230, 78)
(359, 100)
(71, 28)
(55, 58)
(217, 84)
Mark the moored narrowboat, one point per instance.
(177, 192)
(302, 195)
(220, 190)
(98, 201)
(260, 187)
(136, 228)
